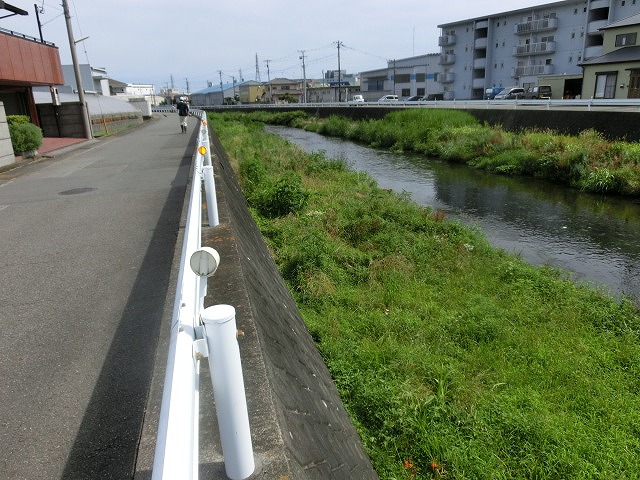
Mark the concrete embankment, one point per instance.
(299, 427)
(620, 124)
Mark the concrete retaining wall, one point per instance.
(614, 125)
(299, 425)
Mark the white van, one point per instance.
(388, 98)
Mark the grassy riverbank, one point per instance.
(587, 161)
(450, 356)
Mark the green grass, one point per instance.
(454, 360)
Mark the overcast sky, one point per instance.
(145, 41)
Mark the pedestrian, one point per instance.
(183, 113)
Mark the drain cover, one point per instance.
(75, 191)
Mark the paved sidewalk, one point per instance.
(88, 241)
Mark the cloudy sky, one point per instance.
(145, 41)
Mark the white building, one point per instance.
(525, 47)
(404, 77)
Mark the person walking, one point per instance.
(183, 113)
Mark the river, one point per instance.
(593, 237)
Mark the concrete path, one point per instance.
(87, 244)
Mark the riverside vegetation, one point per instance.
(454, 359)
(587, 161)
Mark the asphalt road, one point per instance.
(87, 244)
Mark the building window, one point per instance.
(626, 39)
(606, 85)
(405, 92)
(575, 11)
(573, 34)
(623, 2)
(570, 59)
(420, 91)
(403, 78)
(420, 77)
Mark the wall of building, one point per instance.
(28, 62)
(6, 150)
(622, 83)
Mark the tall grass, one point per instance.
(453, 359)
(586, 161)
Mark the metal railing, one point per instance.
(198, 333)
(572, 104)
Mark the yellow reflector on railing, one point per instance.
(202, 150)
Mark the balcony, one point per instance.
(446, 40)
(482, 24)
(541, 48)
(534, 26)
(447, 59)
(448, 77)
(532, 70)
(481, 42)
(596, 4)
(593, 51)
(596, 25)
(480, 62)
(478, 83)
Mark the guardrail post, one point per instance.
(210, 192)
(228, 390)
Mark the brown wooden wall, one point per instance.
(28, 62)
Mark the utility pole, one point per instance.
(221, 87)
(38, 12)
(304, 78)
(76, 70)
(394, 76)
(269, 81)
(187, 81)
(339, 74)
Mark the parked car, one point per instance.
(490, 93)
(434, 96)
(414, 98)
(388, 98)
(538, 92)
(510, 93)
(357, 99)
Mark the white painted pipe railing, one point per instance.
(177, 444)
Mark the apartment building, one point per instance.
(527, 46)
(404, 77)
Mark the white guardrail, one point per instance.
(573, 104)
(197, 333)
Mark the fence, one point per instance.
(198, 333)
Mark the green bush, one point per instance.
(18, 120)
(281, 197)
(24, 136)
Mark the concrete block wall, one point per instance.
(6, 149)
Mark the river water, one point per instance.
(594, 238)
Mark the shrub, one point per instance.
(24, 136)
(18, 120)
(283, 196)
